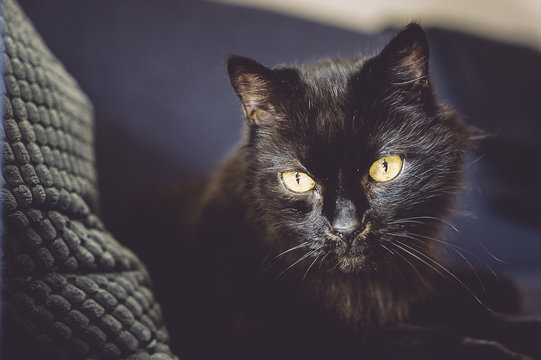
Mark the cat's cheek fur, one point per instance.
(334, 119)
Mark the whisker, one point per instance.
(454, 247)
(323, 259)
(421, 277)
(447, 271)
(417, 257)
(309, 267)
(476, 160)
(491, 254)
(457, 249)
(410, 81)
(460, 254)
(472, 269)
(310, 253)
(434, 218)
(273, 260)
(405, 221)
(386, 248)
(395, 263)
(290, 249)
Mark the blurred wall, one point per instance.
(515, 21)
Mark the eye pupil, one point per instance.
(386, 168)
(297, 181)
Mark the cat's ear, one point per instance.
(256, 86)
(404, 61)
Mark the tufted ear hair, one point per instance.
(406, 56)
(403, 64)
(259, 88)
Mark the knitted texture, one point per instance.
(71, 290)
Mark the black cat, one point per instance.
(316, 238)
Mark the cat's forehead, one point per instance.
(331, 75)
(345, 117)
(326, 136)
(325, 114)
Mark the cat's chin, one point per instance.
(359, 257)
(353, 263)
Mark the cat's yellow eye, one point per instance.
(297, 181)
(386, 168)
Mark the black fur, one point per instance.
(332, 120)
(270, 277)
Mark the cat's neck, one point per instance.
(368, 299)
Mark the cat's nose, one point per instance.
(347, 234)
(345, 223)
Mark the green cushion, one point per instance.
(70, 290)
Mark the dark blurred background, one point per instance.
(155, 71)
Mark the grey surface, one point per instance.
(70, 290)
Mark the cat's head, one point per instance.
(350, 162)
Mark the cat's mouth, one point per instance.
(356, 255)
(353, 242)
(357, 260)
(352, 263)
